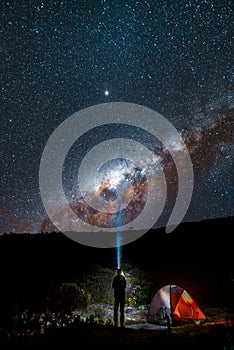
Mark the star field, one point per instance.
(59, 57)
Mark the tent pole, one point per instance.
(170, 305)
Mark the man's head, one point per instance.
(119, 271)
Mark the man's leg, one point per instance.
(116, 306)
(122, 313)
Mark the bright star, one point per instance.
(106, 93)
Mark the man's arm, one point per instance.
(113, 282)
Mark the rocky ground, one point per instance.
(217, 333)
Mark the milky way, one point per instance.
(59, 57)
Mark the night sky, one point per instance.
(59, 57)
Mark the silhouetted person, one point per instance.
(119, 285)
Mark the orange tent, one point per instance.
(174, 302)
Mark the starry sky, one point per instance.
(59, 57)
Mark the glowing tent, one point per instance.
(175, 302)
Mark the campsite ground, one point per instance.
(217, 333)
